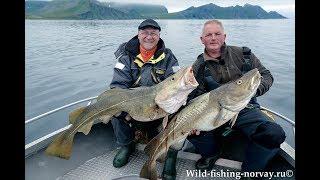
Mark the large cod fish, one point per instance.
(142, 104)
(204, 113)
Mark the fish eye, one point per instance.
(172, 79)
(239, 81)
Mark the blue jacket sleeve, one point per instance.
(122, 73)
(172, 66)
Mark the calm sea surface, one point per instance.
(69, 60)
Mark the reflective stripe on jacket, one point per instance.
(128, 68)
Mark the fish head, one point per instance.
(173, 92)
(237, 94)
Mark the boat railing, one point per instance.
(292, 123)
(60, 108)
(90, 99)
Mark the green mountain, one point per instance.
(93, 9)
(212, 11)
(142, 9)
(75, 9)
(32, 7)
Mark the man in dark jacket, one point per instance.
(219, 64)
(142, 61)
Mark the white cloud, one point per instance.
(287, 7)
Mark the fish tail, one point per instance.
(86, 128)
(73, 116)
(149, 171)
(61, 146)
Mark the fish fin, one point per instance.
(149, 171)
(105, 119)
(219, 117)
(194, 99)
(61, 146)
(179, 144)
(86, 128)
(139, 88)
(162, 157)
(176, 146)
(165, 121)
(269, 115)
(111, 92)
(73, 116)
(233, 120)
(152, 144)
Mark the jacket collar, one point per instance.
(132, 47)
(223, 54)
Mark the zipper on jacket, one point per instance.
(228, 72)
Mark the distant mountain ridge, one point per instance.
(142, 9)
(93, 9)
(212, 11)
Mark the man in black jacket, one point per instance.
(219, 64)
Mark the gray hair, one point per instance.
(214, 21)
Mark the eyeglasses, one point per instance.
(152, 34)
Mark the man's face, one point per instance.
(148, 38)
(213, 37)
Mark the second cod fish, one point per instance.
(142, 104)
(204, 113)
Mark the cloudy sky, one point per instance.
(284, 7)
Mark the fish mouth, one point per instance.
(256, 79)
(189, 78)
(171, 101)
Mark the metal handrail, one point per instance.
(283, 117)
(58, 109)
(59, 130)
(46, 136)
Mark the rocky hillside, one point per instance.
(93, 9)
